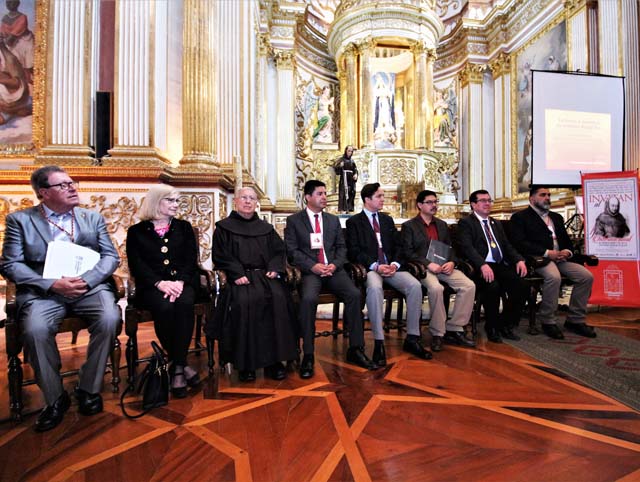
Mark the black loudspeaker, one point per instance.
(103, 124)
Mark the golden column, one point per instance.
(365, 49)
(421, 94)
(198, 96)
(348, 117)
(431, 58)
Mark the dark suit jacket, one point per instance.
(415, 243)
(473, 244)
(362, 245)
(531, 236)
(147, 261)
(296, 238)
(27, 235)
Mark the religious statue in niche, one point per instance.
(323, 133)
(445, 117)
(384, 118)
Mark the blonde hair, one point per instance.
(151, 203)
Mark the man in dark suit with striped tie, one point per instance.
(315, 244)
(498, 265)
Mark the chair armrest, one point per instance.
(534, 262)
(118, 284)
(467, 268)
(10, 295)
(207, 279)
(357, 272)
(293, 276)
(588, 259)
(418, 270)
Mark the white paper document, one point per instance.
(68, 259)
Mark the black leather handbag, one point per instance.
(153, 383)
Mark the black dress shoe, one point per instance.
(379, 356)
(458, 338)
(88, 403)
(493, 335)
(552, 331)
(277, 371)
(436, 343)
(509, 334)
(52, 415)
(414, 346)
(581, 329)
(306, 367)
(356, 355)
(247, 375)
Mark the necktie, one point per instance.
(495, 250)
(376, 229)
(320, 251)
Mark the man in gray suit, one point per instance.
(43, 303)
(315, 244)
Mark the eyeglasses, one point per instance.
(249, 198)
(430, 203)
(65, 186)
(171, 200)
(485, 201)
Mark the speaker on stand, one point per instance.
(103, 127)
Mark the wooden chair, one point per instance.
(13, 333)
(534, 281)
(134, 315)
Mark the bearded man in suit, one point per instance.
(43, 303)
(538, 231)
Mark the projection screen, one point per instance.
(578, 126)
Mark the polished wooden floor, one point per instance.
(486, 414)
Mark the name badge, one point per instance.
(315, 239)
(379, 239)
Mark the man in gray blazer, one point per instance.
(43, 303)
(315, 244)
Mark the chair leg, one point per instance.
(533, 296)
(198, 336)
(116, 354)
(336, 317)
(387, 315)
(400, 312)
(14, 347)
(210, 360)
(15, 388)
(74, 337)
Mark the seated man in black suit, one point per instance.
(417, 234)
(374, 241)
(537, 231)
(315, 244)
(498, 265)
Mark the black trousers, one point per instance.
(341, 285)
(506, 280)
(173, 321)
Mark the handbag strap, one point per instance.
(131, 388)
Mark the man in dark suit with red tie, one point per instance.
(374, 241)
(315, 244)
(498, 265)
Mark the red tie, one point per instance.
(376, 229)
(320, 251)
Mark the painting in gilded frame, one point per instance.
(17, 53)
(547, 51)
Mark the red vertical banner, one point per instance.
(611, 205)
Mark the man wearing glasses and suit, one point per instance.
(315, 244)
(42, 303)
(498, 265)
